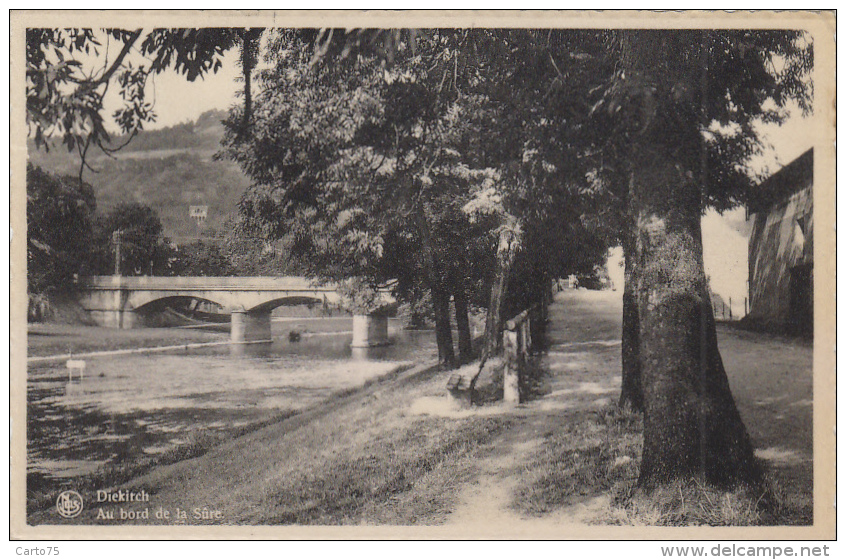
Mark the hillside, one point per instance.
(168, 169)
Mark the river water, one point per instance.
(133, 407)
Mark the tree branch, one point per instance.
(107, 75)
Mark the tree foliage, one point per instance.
(60, 214)
(200, 258)
(361, 166)
(137, 229)
(408, 170)
(69, 72)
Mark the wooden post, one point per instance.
(730, 315)
(521, 342)
(511, 376)
(745, 308)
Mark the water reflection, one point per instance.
(364, 354)
(331, 344)
(334, 346)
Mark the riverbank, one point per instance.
(395, 451)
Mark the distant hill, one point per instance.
(168, 169)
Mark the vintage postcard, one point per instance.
(422, 275)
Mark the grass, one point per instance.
(362, 457)
(688, 503)
(408, 476)
(591, 454)
(366, 461)
(597, 455)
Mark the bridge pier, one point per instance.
(370, 330)
(108, 308)
(250, 327)
(116, 319)
(123, 319)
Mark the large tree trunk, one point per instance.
(462, 322)
(691, 424)
(510, 238)
(631, 394)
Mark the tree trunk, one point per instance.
(462, 321)
(631, 394)
(510, 238)
(435, 278)
(691, 424)
(443, 329)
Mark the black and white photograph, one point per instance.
(501, 275)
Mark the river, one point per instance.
(132, 408)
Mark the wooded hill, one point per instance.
(167, 169)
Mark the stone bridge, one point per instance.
(120, 301)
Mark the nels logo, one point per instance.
(69, 504)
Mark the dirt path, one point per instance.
(771, 380)
(582, 373)
(488, 500)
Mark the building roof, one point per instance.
(788, 180)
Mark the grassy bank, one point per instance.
(591, 468)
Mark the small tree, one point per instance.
(137, 229)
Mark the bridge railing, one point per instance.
(205, 282)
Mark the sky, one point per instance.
(725, 238)
(177, 100)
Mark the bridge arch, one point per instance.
(272, 304)
(159, 303)
(140, 299)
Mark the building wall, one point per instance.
(781, 262)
